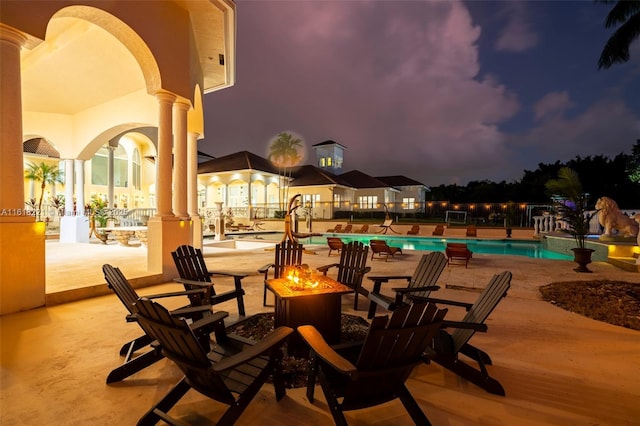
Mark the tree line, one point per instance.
(617, 178)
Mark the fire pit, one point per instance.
(306, 298)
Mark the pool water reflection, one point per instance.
(531, 249)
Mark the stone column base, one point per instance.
(22, 264)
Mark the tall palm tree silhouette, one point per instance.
(284, 153)
(625, 15)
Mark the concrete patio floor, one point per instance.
(557, 368)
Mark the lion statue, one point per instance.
(611, 217)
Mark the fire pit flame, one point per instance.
(300, 277)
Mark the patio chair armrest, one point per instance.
(177, 293)
(325, 268)
(322, 349)
(208, 320)
(405, 290)
(271, 341)
(239, 275)
(465, 305)
(466, 325)
(193, 282)
(377, 281)
(386, 278)
(265, 269)
(188, 310)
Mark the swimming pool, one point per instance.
(532, 249)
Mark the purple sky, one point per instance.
(439, 91)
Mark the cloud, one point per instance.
(517, 35)
(552, 104)
(607, 127)
(399, 87)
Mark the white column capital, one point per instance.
(11, 35)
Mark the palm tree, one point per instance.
(283, 153)
(45, 174)
(625, 15)
(571, 203)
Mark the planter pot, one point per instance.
(509, 230)
(582, 257)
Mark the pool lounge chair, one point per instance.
(458, 252)
(472, 231)
(381, 248)
(363, 229)
(439, 231)
(337, 228)
(347, 229)
(415, 230)
(334, 243)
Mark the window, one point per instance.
(321, 162)
(338, 161)
(337, 200)
(312, 199)
(99, 166)
(136, 169)
(409, 203)
(120, 167)
(368, 201)
(328, 161)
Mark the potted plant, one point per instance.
(571, 203)
(510, 218)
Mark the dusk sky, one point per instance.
(439, 91)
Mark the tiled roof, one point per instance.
(312, 175)
(243, 160)
(398, 181)
(329, 142)
(357, 179)
(41, 147)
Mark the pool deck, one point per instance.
(557, 367)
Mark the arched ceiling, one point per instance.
(78, 66)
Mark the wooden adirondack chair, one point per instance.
(194, 274)
(421, 283)
(287, 253)
(381, 248)
(374, 372)
(334, 243)
(204, 323)
(448, 346)
(351, 268)
(233, 366)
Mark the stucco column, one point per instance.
(12, 193)
(192, 174)
(22, 259)
(163, 178)
(79, 171)
(180, 159)
(110, 176)
(68, 187)
(192, 189)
